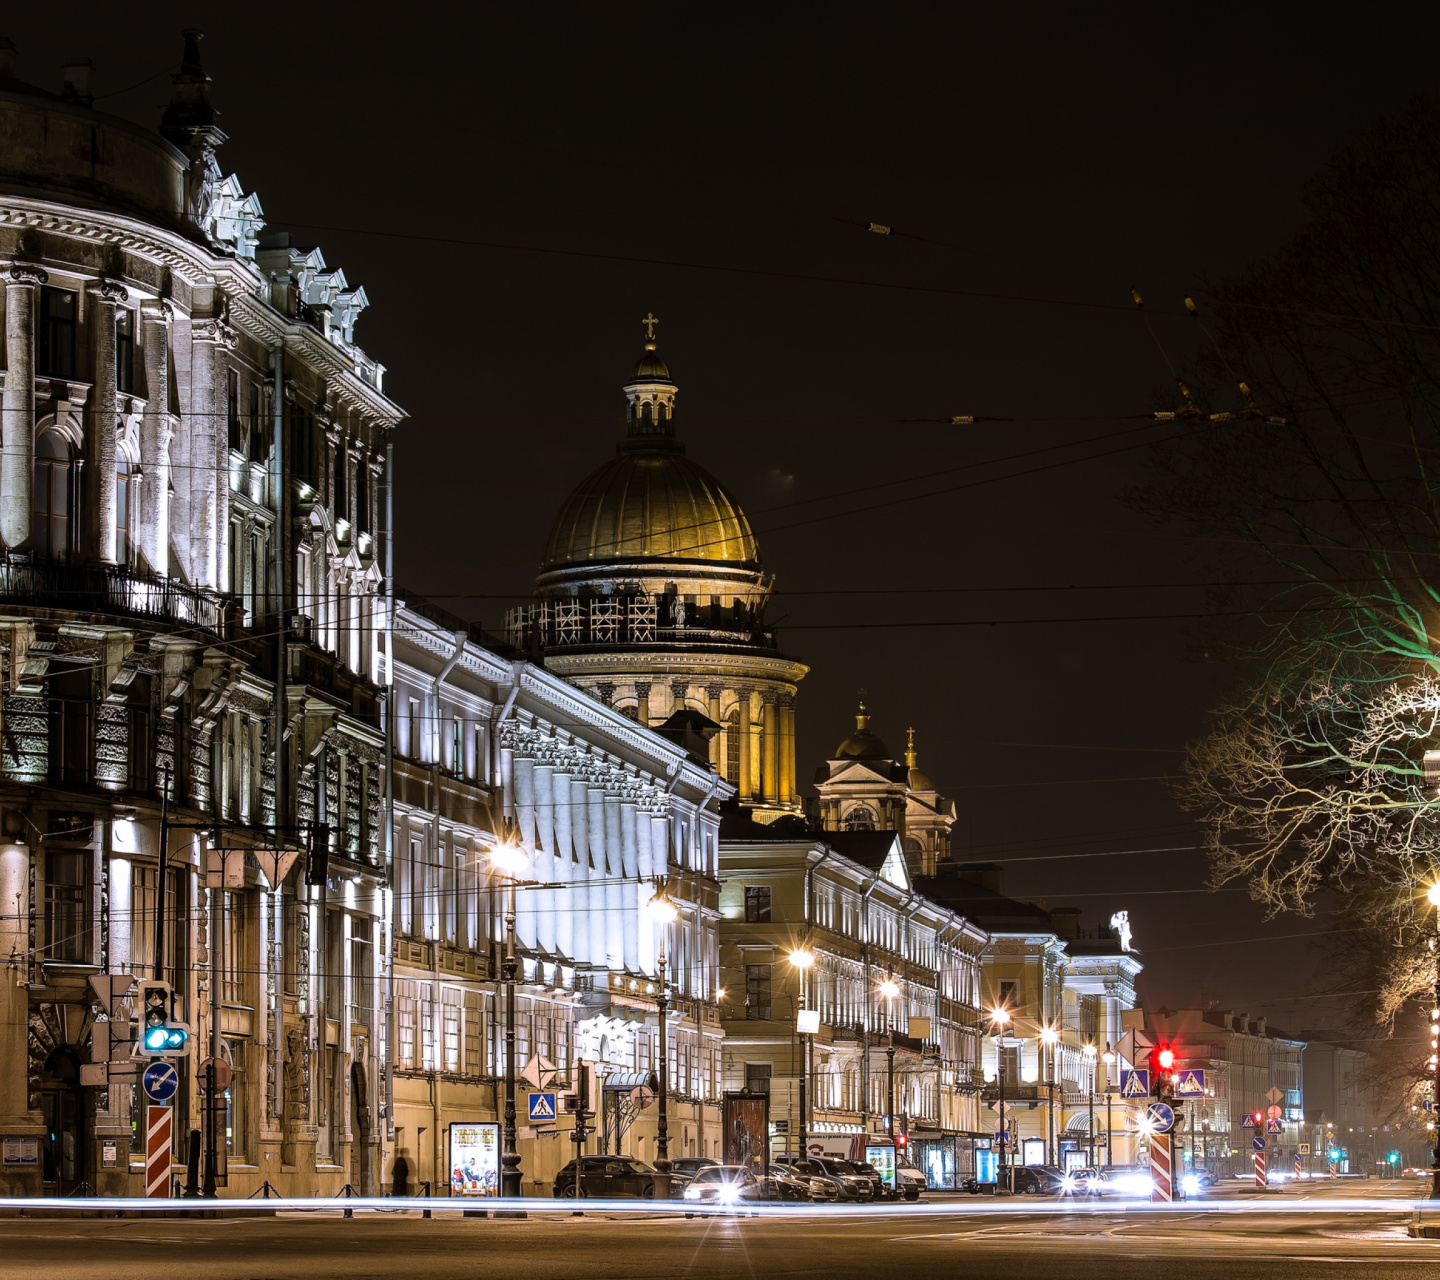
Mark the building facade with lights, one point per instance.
(192, 445)
(608, 812)
(893, 975)
(652, 597)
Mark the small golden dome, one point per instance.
(650, 504)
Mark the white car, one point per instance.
(909, 1182)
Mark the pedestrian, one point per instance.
(400, 1175)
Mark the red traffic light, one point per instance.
(1165, 1058)
(901, 1140)
(1259, 1118)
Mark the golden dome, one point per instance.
(650, 503)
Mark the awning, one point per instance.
(624, 1081)
(1080, 1123)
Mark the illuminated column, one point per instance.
(17, 461)
(768, 744)
(787, 748)
(202, 422)
(525, 815)
(614, 884)
(154, 521)
(629, 864)
(642, 702)
(580, 874)
(678, 690)
(99, 509)
(543, 867)
(564, 904)
(746, 789)
(712, 709)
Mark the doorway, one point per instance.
(62, 1103)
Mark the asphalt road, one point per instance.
(1241, 1240)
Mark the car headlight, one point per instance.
(1067, 1183)
(728, 1195)
(692, 1193)
(1190, 1182)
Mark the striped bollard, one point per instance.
(158, 1122)
(1162, 1174)
(1261, 1181)
(1297, 1164)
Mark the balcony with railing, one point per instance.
(106, 589)
(640, 620)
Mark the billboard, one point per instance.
(746, 1125)
(474, 1159)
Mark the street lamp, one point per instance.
(1108, 1058)
(1433, 894)
(1050, 1037)
(801, 960)
(664, 913)
(890, 989)
(510, 860)
(998, 1019)
(1088, 1049)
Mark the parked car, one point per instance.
(879, 1188)
(607, 1177)
(847, 1186)
(909, 1181)
(1036, 1180)
(725, 1185)
(691, 1165)
(1122, 1180)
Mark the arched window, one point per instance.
(124, 500)
(732, 747)
(860, 818)
(52, 498)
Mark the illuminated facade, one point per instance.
(652, 598)
(192, 444)
(606, 811)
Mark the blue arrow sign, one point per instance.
(1161, 1118)
(1190, 1084)
(1134, 1084)
(1258, 1142)
(160, 1081)
(542, 1107)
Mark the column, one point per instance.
(630, 866)
(787, 749)
(712, 709)
(563, 900)
(543, 866)
(678, 690)
(17, 460)
(642, 702)
(768, 744)
(614, 884)
(154, 521)
(595, 820)
(746, 789)
(205, 421)
(98, 533)
(579, 912)
(525, 817)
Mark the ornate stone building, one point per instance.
(651, 596)
(188, 512)
(864, 788)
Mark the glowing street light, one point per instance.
(803, 960)
(664, 913)
(509, 858)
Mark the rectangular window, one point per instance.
(362, 971)
(457, 749)
(1009, 995)
(141, 736)
(67, 906)
(757, 904)
(292, 961)
(234, 423)
(405, 1022)
(259, 446)
(450, 1019)
(757, 1076)
(234, 936)
(757, 991)
(142, 921)
(71, 727)
(55, 334)
(237, 1110)
(412, 748)
(475, 1033)
(125, 350)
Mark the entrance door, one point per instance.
(62, 1104)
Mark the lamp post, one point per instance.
(1433, 894)
(801, 960)
(1088, 1049)
(664, 913)
(998, 1019)
(510, 860)
(1108, 1058)
(1049, 1036)
(890, 989)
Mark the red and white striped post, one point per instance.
(1297, 1164)
(158, 1128)
(1261, 1180)
(1162, 1172)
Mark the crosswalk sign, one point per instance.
(1303, 1148)
(542, 1107)
(1272, 1126)
(1248, 1122)
(1135, 1084)
(1190, 1084)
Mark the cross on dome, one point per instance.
(650, 322)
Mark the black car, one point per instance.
(691, 1165)
(848, 1185)
(879, 1188)
(607, 1177)
(1036, 1180)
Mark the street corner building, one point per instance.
(190, 586)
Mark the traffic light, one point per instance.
(901, 1141)
(1162, 1070)
(1259, 1118)
(162, 1035)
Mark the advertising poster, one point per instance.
(474, 1159)
(881, 1158)
(747, 1127)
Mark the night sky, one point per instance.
(1053, 156)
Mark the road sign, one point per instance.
(158, 1122)
(1303, 1148)
(538, 1072)
(1426, 1105)
(641, 1096)
(1258, 1142)
(1273, 1094)
(1161, 1117)
(1272, 1126)
(160, 1081)
(1273, 1112)
(1131, 1043)
(1134, 1084)
(1190, 1084)
(110, 987)
(222, 1074)
(542, 1107)
(1248, 1122)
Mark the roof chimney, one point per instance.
(75, 81)
(7, 58)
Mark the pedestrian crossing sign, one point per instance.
(1303, 1149)
(542, 1107)
(1190, 1084)
(1248, 1122)
(1135, 1084)
(1272, 1126)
